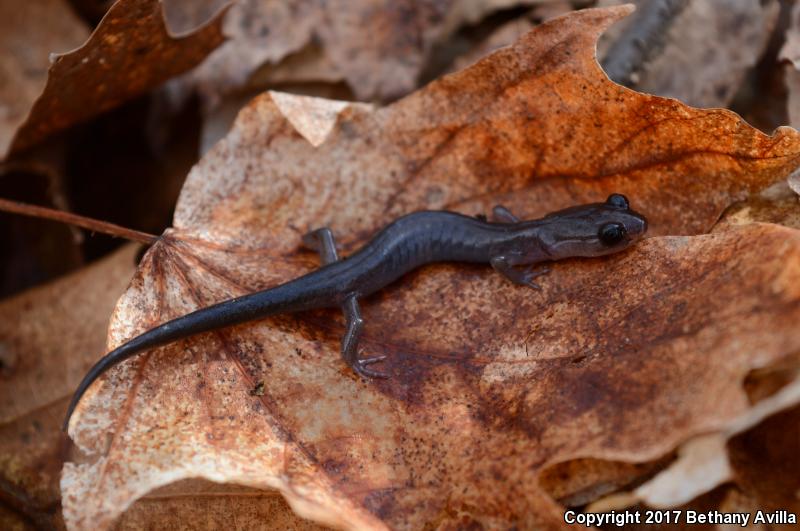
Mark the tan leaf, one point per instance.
(47, 339)
(129, 53)
(617, 359)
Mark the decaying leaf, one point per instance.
(129, 53)
(619, 359)
(48, 337)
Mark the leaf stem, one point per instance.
(94, 225)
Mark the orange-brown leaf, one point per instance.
(130, 52)
(617, 359)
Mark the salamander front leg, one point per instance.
(504, 215)
(505, 266)
(350, 341)
(321, 240)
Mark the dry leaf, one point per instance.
(48, 340)
(257, 32)
(708, 50)
(619, 359)
(711, 47)
(129, 53)
(379, 48)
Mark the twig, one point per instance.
(642, 38)
(74, 219)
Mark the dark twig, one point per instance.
(74, 219)
(641, 40)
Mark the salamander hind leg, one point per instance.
(505, 266)
(504, 215)
(322, 241)
(355, 325)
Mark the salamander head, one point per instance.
(596, 229)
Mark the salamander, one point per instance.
(407, 243)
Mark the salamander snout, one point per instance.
(637, 226)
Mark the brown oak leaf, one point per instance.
(619, 359)
(130, 52)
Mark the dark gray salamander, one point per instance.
(410, 241)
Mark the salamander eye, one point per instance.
(611, 233)
(618, 200)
